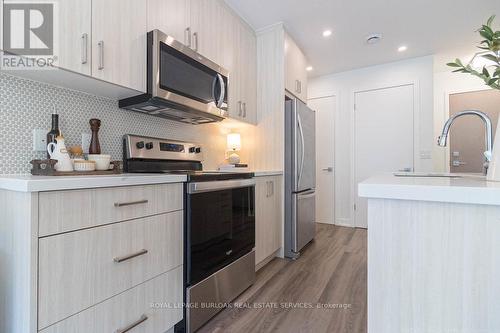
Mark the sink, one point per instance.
(439, 175)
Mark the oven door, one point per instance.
(184, 77)
(220, 225)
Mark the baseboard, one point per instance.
(344, 222)
(267, 260)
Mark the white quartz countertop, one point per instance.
(468, 189)
(29, 183)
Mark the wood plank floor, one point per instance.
(332, 270)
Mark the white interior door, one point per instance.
(325, 151)
(384, 137)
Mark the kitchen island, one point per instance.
(433, 254)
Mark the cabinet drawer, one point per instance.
(158, 300)
(63, 211)
(80, 269)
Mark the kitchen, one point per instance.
(202, 169)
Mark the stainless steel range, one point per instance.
(219, 224)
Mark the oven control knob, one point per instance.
(198, 150)
(192, 150)
(140, 144)
(149, 145)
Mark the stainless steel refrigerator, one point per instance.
(300, 176)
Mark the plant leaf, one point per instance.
(490, 20)
(452, 64)
(490, 57)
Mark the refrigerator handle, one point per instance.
(299, 124)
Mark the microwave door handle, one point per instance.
(222, 85)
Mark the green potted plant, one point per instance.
(490, 74)
(491, 52)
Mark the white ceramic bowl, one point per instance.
(102, 161)
(82, 165)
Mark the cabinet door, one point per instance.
(119, 42)
(74, 49)
(248, 71)
(171, 17)
(295, 69)
(233, 61)
(205, 27)
(268, 221)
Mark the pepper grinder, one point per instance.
(95, 147)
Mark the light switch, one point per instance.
(40, 139)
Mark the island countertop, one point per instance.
(470, 189)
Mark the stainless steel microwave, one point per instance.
(182, 85)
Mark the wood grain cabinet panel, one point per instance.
(295, 69)
(268, 217)
(157, 300)
(119, 29)
(63, 211)
(80, 269)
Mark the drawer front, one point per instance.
(159, 300)
(79, 269)
(63, 211)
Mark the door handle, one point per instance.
(240, 108)
(244, 110)
(85, 38)
(329, 169)
(187, 36)
(101, 55)
(195, 41)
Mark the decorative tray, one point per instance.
(47, 168)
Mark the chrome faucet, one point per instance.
(488, 134)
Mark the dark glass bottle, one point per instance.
(54, 132)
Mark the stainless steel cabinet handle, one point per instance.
(329, 169)
(297, 86)
(134, 324)
(101, 55)
(195, 41)
(240, 108)
(267, 189)
(244, 110)
(130, 256)
(85, 39)
(187, 36)
(271, 183)
(123, 204)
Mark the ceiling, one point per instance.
(424, 26)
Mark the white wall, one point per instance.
(418, 71)
(446, 83)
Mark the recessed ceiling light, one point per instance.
(373, 38)
(402, 48)
(327, 33)
(309, 68)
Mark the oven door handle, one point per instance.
(219, 185)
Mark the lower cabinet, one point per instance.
(268, 217)
(150, 307)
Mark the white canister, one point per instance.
(57, 151)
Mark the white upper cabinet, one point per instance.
(171, 17)
(295, 69)
(74, 49)
(119, 42)
(248, 74)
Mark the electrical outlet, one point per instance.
(40, 139)
(86, 137)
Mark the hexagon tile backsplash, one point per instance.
(26, 105)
